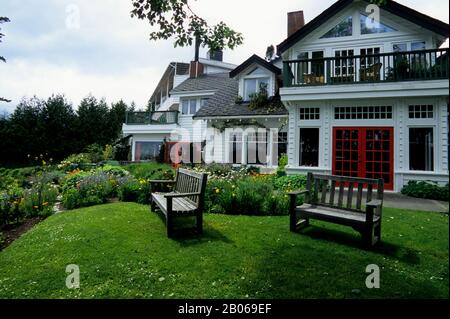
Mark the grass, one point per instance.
(123, 252)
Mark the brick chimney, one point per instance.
(196, 69)
(296, 21)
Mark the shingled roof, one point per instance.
(222, 103)
(206, 82)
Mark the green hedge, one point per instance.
(428, 190)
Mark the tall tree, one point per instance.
(25, 130)
(3, 20)
(175, 18)
(117, 118)
(59, 133)
(92, 123)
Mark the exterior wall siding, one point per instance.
(400, 122)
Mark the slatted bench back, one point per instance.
(329, 190)
(190, 182)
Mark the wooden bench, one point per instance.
(186, 198)
(324, 200)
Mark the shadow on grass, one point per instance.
(353, 239)
(185, 231)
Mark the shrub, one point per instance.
(277, 204)
(289, 183)
(10, 200)
(133, 190)
(39, 200)
(250, 195)
(72, 198)
(81, 189)
(74, 161)
(129, 191)
(282, 163)
(108, 153)
(94, 153)
(426, 189)
(2, 241)
(110, 170)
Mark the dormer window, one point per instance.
(343, 29)
(254, 86)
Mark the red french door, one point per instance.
(366, 152)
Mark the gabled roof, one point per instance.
(393, 7)
(257, 60)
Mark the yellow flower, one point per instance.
(35, 207)
(45, 204)
(217, 191)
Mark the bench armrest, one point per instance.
(375, 203)
(301, 192)
(179, 195)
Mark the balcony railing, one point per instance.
(152, 118)
(383, 67)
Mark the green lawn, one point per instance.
(123, 252)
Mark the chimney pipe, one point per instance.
(296, 21)
(197, 48)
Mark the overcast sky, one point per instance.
(108, 54)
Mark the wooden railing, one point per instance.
(383, 67)
(152, 118)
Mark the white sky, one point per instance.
(110, 56)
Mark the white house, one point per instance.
(358, 91)
(169, 116)
(367, 93)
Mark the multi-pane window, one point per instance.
(421, 157)
(189, 106)
(345, 63)
(309, 147)
(371, 26)
(343, 29)
(362, 112)
(369, 60)
(421, 111)
(309, 113)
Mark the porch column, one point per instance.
(244, 147)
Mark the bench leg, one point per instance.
(367, 236)
(200, 223)
(169, 218)
(169, 225)
(377, 232)
(152, 205)
(297, 224)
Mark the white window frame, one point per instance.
(435, 145)
(259, 79)
(319, 155)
